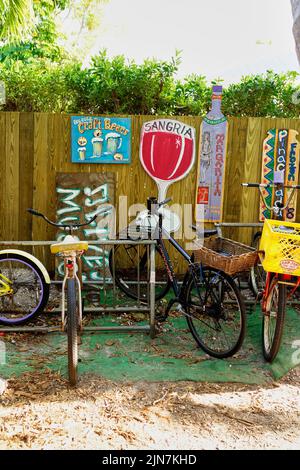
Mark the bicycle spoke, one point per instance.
(215, 313)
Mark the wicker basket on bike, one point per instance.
(227, 255)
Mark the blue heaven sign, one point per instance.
(100, 139)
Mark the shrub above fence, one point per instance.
(123, 87)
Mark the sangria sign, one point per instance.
(167, 152)
(100, 140)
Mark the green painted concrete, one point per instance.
(171, 356)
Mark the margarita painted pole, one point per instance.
(211, 167)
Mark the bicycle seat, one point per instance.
(69, 244)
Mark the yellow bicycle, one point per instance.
(24, 287)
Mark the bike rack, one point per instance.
(139, 307)
(237, 225)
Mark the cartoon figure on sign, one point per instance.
(205, 156)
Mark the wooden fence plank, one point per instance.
(40, 229)
(251, 174)
(11, 187)
(236, 149)
(2, 173)
(26, 151)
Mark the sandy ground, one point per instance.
(40, 411)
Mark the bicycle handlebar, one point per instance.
(270, 185)
(278, 205)
(73, 226)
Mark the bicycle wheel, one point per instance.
(72, 331)
(215, 312)
(129, 267)
(23, 290)
(273, 320)
(257, 278)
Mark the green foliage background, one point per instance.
(42, 75)
(116, 85)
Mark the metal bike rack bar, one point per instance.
(239, 224)
(139, 307)
(219, 225)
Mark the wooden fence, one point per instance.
(35, 146)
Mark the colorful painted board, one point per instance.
(280, 163)
(211, 168)
(100, 140)
(80, 196)
(167, 152)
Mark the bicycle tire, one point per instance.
(72, 331)
(22, 294)
(212, 311)
(257, 276)
(271, 342)
(127, 288)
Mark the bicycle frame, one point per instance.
(5, 285)
(162, 233)
(167, 260)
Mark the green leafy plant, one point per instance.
(269, 95)
(118, 86)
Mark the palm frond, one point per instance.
(16, 18)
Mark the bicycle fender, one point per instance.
(31, 258)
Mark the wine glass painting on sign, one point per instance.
(167, 152)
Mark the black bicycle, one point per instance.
(209, 298)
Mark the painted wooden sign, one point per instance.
(211, 167)
(100, 140)
(80, 196)
(167, 152)
(280, 164)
